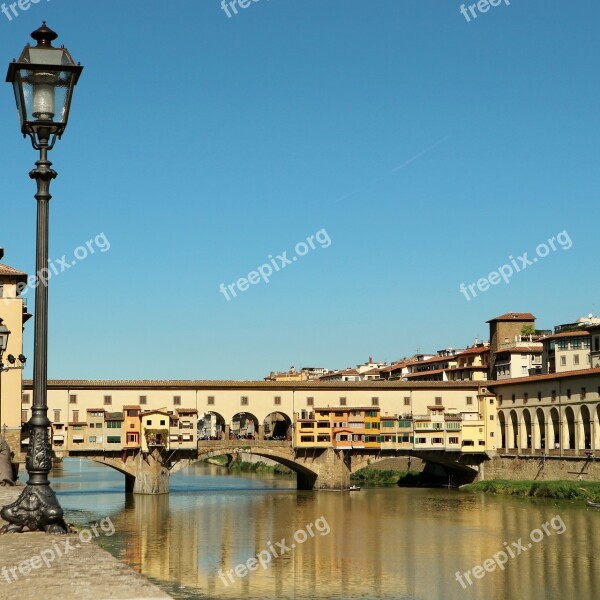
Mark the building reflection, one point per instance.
(386, 543)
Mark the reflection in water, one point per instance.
(384, 543)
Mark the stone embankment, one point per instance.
(36, 565)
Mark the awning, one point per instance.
(187, 438)
(174, 438)
(78, 438)
(25, 442)
(59, 438)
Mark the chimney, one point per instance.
(370, 359)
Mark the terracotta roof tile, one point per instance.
(8, 271)
(513, 317)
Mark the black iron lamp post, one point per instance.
(43, 79)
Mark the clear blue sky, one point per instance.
(429, 148)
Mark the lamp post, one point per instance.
(43, 79)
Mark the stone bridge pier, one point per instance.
(145, 473)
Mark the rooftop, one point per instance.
(513, 317)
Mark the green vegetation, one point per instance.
(528, 330)
(559, 490)
(242, 466)
(376, 477)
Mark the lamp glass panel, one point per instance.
(45, 95)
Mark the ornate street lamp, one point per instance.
(43, 79)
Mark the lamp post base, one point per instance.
(36, 509)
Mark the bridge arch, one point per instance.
(585, 432)
(277, 425)
(212, 426)
(554, 433)
(541, 429)
(513, 427)
(528, 441)
(244, 425)
(502, 429)
(569, 428)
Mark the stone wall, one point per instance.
(536, 468)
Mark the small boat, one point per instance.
(356, 488)
(594, 504)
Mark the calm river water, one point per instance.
(373, 544)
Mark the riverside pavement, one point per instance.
(86, 572)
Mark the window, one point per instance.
(438, 400)
(575, 359)
(437, 440)
(539, 394)
(576, 343)
(148, 422)
(469, 400)
(374, 401)
(310, 401)
(569, 393)
(453, 440)
(177, 400)
(583, 392)
(342, 401)
(491, 401)
(277, 400)
(25, 398)
(107, 400)
(24, 416)
(513, 397)
(525, 397)
(76, 416)
(92, 439)
(114, 424)
(563, 344)
(563, 361)
(406, 400)
(553, 394)
(72, 399)
(113, 439)
(597, 343)
(244, 400)
(143, 400)
(491, 417)
(500, 399)
(211, 401)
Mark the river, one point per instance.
(392, 543)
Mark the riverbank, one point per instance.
(242, 466)
(384, 478)
(558, 490)
(73, 566)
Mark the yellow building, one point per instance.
(131, 426)
(13, 312)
